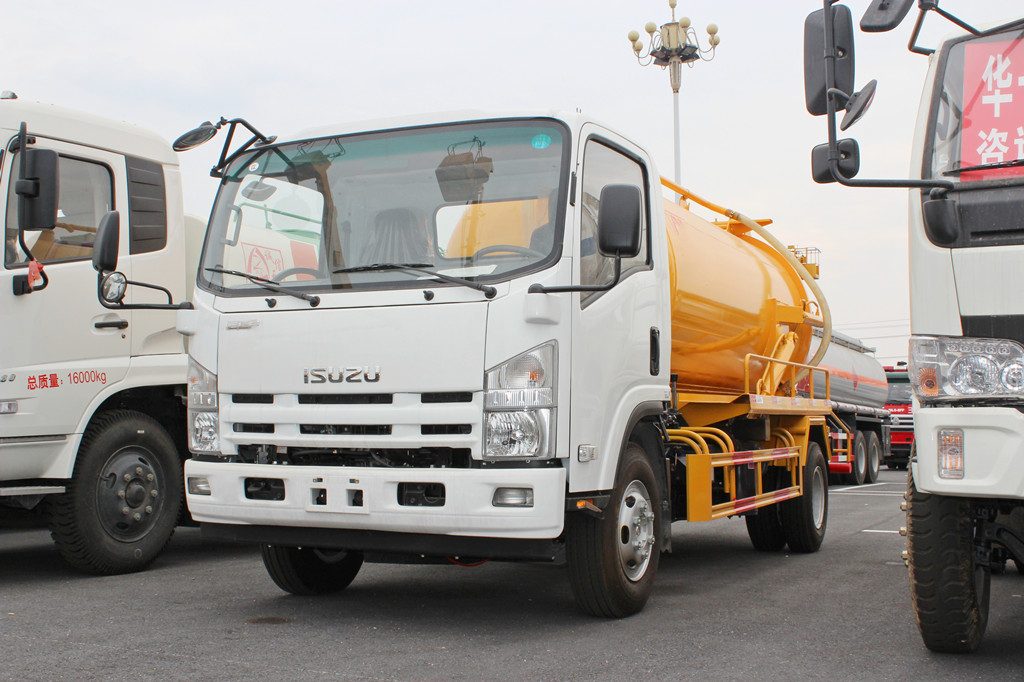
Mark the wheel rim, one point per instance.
(860, 461)
(873, 460)
(128, 494)
(635, 530)
(818, 497)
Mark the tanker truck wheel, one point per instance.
(874, 458)
(859, 453)
(765, 529)
(612, 560)
(949, 591)
(121, 506)
(309, 571)
(804, 518)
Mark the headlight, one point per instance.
(519, 404)
(203, 416)
(953, 368)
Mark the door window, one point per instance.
(603, 166)
(86, 194)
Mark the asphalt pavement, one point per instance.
(720, 610)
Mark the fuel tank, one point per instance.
(728, 290)
(856, 378)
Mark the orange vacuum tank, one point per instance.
(727, 287)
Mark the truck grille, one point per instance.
(404, 427)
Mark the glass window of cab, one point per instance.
(480, 201)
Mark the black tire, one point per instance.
(950, 593)
(859, 453)
(612, 560)
(765, 529)
(805, 518)
(309, 571)
(122, 504)
(874, 457)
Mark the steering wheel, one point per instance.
(288, 272)
(511, 248)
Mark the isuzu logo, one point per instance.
(323, 375)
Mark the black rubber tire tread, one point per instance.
(599, 584)
(950, 612)
(765, 529)
(300, 571)
(859, 452)
(72, 518)
(874, 457)
(797, 515)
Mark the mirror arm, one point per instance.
(541, 289)
(218, 170)
(938, 187)
(170, 305)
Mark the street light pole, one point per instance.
(673, 45)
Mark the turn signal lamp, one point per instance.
(951, 453)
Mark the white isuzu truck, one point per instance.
(481, 337)
(91, 398)
(966, 234)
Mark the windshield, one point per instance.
(979, 113)
(899, 391)
(473, 201)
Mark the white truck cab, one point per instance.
(91, 398)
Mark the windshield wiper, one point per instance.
(985, 166)
(489, 291)
(268, 284)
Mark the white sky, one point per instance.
(746, 136)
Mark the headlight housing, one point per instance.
(203, 413)
(519, 405)
(950, 368)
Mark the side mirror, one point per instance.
(618, 221)
(815, 88)
(104, 250)
(884, 15)
(38, 189)
(849, 161)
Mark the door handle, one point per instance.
(112, 324)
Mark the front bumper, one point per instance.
(367, 498)
(993, 451)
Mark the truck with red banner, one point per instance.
(901, 417)
(966, 243)
(92, 413)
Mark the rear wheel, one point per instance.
(859, 456)
(874, 458)
(612, 560)
(949, 591)
(765, 529)
(804, 519)
(309, 571)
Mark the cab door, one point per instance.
(615, 332)
(59, 348)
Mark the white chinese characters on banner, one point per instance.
(993, 108)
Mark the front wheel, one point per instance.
(949, 590)
(804, 518)
(308, 571)
(612, 560)
(121, 506)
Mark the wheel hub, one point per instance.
(636, 530)
(128, 494)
